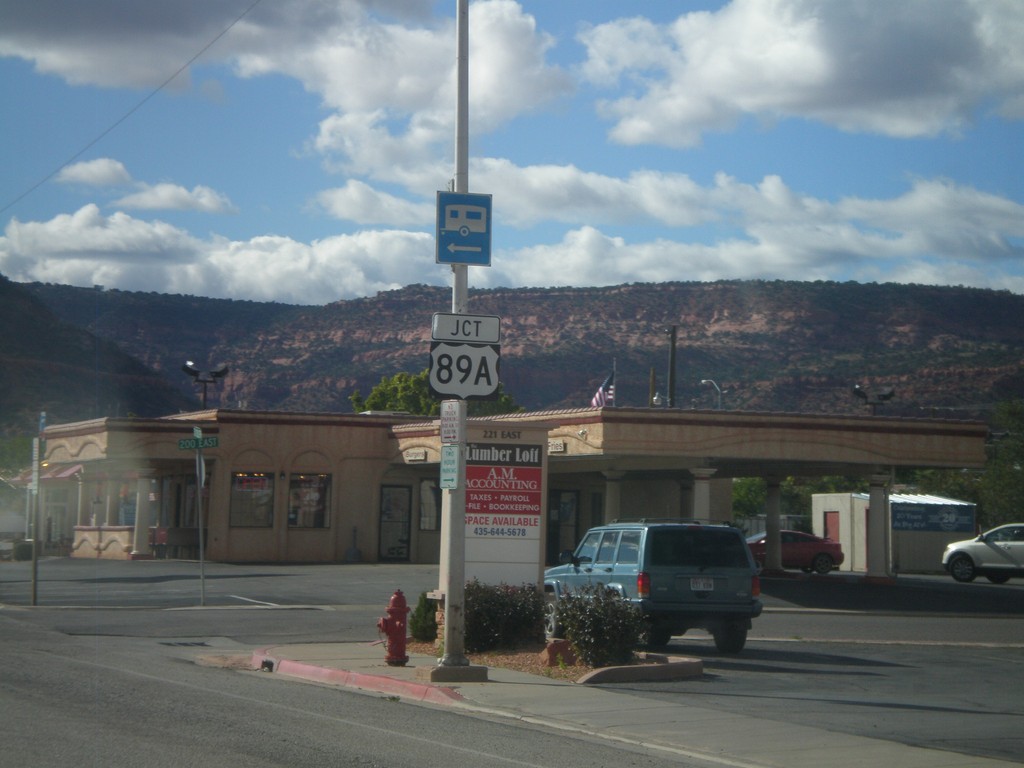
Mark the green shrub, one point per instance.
(602, 628)
(502, 616)
(423, 620)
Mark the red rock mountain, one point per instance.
(769, 346)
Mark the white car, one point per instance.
(997, 555)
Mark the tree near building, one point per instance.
(750, 495)
(998, 489)
(411, 393)
(1002, 486)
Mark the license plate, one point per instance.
(702, 584)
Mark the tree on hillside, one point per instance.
(409, 393)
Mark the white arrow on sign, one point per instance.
(464, 371)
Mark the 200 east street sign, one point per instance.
(464, 371)
(192, 443)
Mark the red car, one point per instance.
(800, 550)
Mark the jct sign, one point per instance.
(504, 506)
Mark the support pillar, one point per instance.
(702, 492)
(878, 556)
(773, 539)
(112, 488)
(140, 536)
(613, 495)
(80, 512)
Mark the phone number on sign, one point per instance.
(499, 532)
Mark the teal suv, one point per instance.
(683, 575)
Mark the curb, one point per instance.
(433, 694)
(659, 667)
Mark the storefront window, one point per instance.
(309, 501)
(252, 500)
(430, 505)
(395, 503)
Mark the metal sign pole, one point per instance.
(454, 499)
(35, 520)
(200, 481)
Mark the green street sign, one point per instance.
(194, 443)
(449, 467)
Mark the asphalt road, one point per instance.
(926, 661)
(115, 701)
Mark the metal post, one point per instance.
(454, 500)
(35, 520)
(200, 481)
(672, 367)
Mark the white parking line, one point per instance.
(250, 600)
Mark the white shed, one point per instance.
(920, 528)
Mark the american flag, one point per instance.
(605, 394)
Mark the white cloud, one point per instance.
(541, 193)
(87, 248)
(393, 88)
(790, 236)
(106, 172)
(363, 204)
(364, 144)
(384, 71)
(945, 219)
(341, 267)
(88, 234)
(912, 68)
(761, 230)
(172, 197)
(162, 197)
(89, 44)
(102, 172)
(384, 66)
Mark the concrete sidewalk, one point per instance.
(679, 728)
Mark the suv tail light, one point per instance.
(755, 586)
(643, 584)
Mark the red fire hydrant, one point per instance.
(393, 628)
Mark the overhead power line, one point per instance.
(131, 111)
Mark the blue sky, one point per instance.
(297, 158)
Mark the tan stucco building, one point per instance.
(295, 487)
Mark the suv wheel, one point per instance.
(658, 635)
(961, 568)
(730, 638)
(552, 627)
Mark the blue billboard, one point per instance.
(941, 518)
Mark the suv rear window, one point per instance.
(701, 547)
(629, 547)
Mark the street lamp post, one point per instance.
(204, 377)
(717, 389)
(874, 399)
